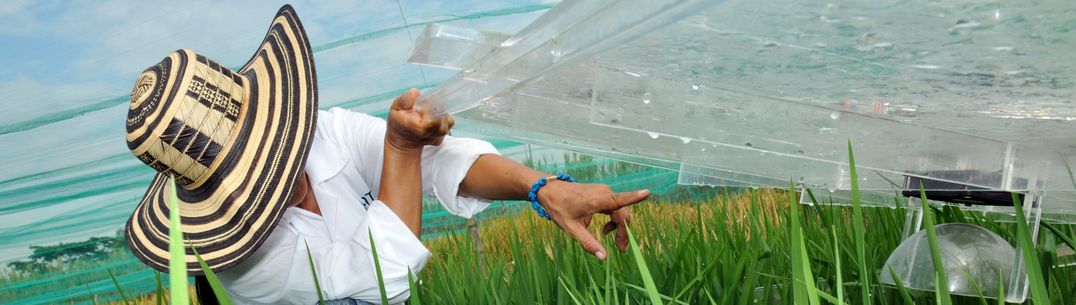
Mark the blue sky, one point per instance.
(66, 67)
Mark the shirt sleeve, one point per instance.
(443, 166)
(279, 271)
(398, 252)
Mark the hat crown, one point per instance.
(183, 114)
(141, 91)
(235, 143)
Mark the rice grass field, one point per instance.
(729, 249)
(691, 245)
(732, 249)
(756, 247)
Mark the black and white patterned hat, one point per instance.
(234, 142)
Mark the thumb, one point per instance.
(406, 101)
(585, 239)
(624, 199)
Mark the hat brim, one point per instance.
(227, 218)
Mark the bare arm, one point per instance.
(401, 186)
(401, 176)
(571, 205)
(494, 177)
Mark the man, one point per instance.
(262, 177)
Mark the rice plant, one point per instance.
(177, 264)
(709, 247)
(709, 253)
(718, 260)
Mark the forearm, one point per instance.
(401, 185)
(495, 177)
(570, 205)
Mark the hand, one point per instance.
(571, 206)
(410, 128)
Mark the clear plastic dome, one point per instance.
(968, 252)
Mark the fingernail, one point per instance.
(600, 255)
(644, 192)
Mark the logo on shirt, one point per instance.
(367, 199)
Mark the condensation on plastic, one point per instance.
(749, 126)
(727, 91)
(568, 34)
(755, 93)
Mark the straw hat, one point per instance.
(234, 142)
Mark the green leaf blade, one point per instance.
(377, 266)
(160, 288)
(177, 264)
(904, 294)
(644, 271)
(804, 290)
(1037, 282)
(218, 289)
(837, 259)
(118, 288)
(941, 280)
(314, 271)
(859, 229)
(415, 298)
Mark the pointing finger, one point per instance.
(624, 199)
(585, 239)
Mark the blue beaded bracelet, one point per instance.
(533, 195)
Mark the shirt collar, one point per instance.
(323, 162)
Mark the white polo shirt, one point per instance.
(344, 168)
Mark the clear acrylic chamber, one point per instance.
(973, 101)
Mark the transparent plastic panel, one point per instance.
(953, 78)
(812, 139)
(629, 143)
(942, 92)
(960, 96)
(553, 42)
(779, 170)
(525, 116)
(996, 69)
(453, 47)
(841, 197)
(708, 176)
